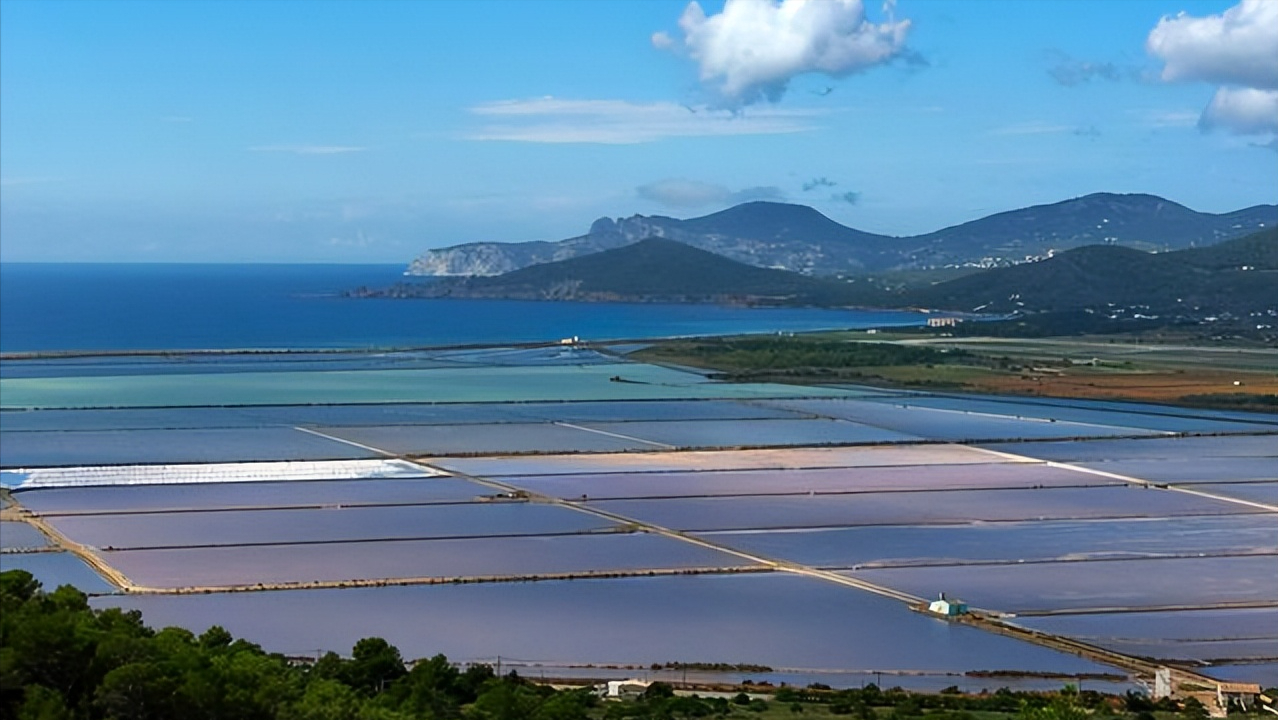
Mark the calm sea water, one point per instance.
(47, 307)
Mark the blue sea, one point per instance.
(99, 307)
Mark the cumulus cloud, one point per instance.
(751, 50)
(681, 193)
(617, 122)
(1246, 111)
(1235, 50)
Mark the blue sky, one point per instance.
(369, 131)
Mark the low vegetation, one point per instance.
(752, 358)
(1054, 367)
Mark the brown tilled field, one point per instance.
(1154, 386)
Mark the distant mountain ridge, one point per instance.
(1237, 277)
(651, 270)
(801, 239)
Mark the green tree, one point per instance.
(324, 700)
(374, 665)
(138, 691)
(41, 703)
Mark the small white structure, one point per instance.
(949, 607)
(1162, 683)
(623, 689)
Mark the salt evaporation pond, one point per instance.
(54, 569)
(485, 439)
(736, 513)
(220, 496)
(826, 480)
(700, 460)
(910, 505)
(950, 424)
(382, 414)
(344, 524)
(626, 411)
(469, 558)
(20, 536)
(1240, 446)
(1134, 408)
(1095, 584)
(754, 433)
(1011, 541)
(780, 620)
(1131, 418)
(1193, 635)
(1180, 468)
(1262, 674)
(487, 384)
(135, 447)
(1260, 492)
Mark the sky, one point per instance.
(367, 132)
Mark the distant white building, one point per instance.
(623, 689)
(949, 607)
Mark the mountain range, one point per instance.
(1237, 277)
(801, 239)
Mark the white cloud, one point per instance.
(1246, 111)
(1238, 47)
(309, 149)
(681, 193)
(1237, 50)
(617, 122)
(752, 49)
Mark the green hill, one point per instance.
(652, 270)
(1238, 276)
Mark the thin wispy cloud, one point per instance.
(618, 122)
(1169, 118)
(308, 149)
